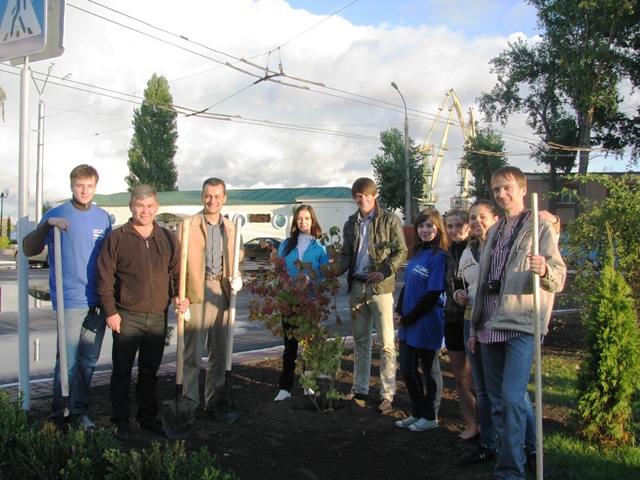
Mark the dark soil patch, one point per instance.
(291, 440)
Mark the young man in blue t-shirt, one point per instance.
(83, 227)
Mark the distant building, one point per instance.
(566, 204)
(265, 212)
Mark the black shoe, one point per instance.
(122, 432)
(355, 396)
(153, 425)
(482, 454)
(531, 466)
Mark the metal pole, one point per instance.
(407, 170)
(3, 195)
(39, 170)
(536, 342)
(23, 227)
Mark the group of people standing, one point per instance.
(126, 279)
(468, 283)
(473, 287)
(468, 286)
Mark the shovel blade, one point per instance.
(225, 408)
(179, 418)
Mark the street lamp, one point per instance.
(3, 195)
(407, 174)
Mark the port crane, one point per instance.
(433, 161)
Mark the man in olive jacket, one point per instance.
(373, 250)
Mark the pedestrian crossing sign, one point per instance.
(23, 28)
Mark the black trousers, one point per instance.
(422, 406)
(289, 357)
(143, 334)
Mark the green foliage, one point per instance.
(46, 206)
(8, 226)
(305, 301)
(34, 451)
(166, 462)
(4, 242)
(586, 243)
(51, 453)
(610, 373)
(568, 82)
(13, 423)
(153, 145)
(389, 170)
(481, 164)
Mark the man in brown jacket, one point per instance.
(138, 272)
(209, 285)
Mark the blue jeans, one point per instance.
(507, 368)
(483, 403)
(84, 332)
(410, 357)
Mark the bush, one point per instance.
(585, 243)
(13, 423)
(610, 373)
(168, 462)
(306, 302)
(4, 242)
(32, 451)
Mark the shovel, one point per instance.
(535, 250)
(179, 417)
(62, 334)
(225, 407)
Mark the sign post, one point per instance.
(23, 32)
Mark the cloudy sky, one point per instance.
(319, 126)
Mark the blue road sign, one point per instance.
(23, 28)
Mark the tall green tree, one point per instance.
(573, 72)
(389, 170)
(609, 376)
(153, 145)
(483, 156)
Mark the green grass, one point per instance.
(566, 453)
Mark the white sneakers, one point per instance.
(282, 395)
(423, 424)
(406, 422)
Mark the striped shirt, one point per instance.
(499, 256)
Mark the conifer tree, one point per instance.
(610, 372)
(153, 145)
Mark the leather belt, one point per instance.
(360, 278)
(213, 278)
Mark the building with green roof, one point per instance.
(266, 212)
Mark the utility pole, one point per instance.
(407, 171)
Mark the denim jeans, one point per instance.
(368, 309)
(483, 403)
(84, 332)
(507, 368)
(422, 406)
(143, 334)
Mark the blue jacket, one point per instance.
(315, 254)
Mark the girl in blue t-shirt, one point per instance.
(302, 245)
(420, 316)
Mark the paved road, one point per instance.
(42, 327)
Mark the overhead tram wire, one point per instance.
(376, 104)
